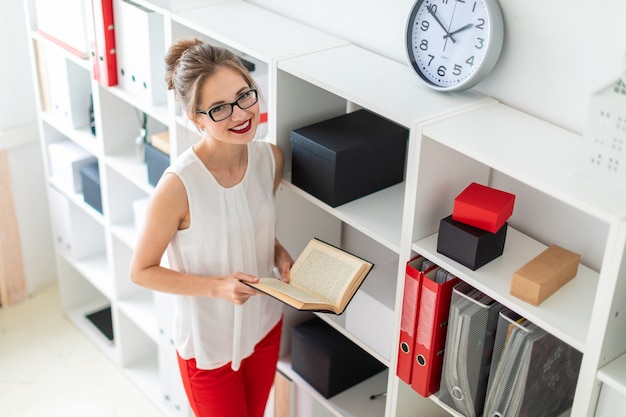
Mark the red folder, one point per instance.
(408, 320)
(430, 337)
(105, 63)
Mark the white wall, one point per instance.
(555, 54)
(19, 137)
(17, 101)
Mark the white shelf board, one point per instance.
(566, 313)
(140, 310)
(157, 111)
(353, 402)
(128, 166)
(254, 31)
(126, 233)
(614, 374)
(399, 95)
(95, 270)
(532, 151)
(167, 6)
(377, 215)
(81, 136)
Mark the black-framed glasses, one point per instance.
(223, 111)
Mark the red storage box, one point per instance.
(483, 207)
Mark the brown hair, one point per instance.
(189, 62)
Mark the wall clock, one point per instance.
(453, 44)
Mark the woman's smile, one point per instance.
(243, 127)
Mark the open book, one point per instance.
(323, 278)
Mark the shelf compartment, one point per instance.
(82, 136)
(378, 215)
(566, 314)
(79, 297)
(352, 402)
(140, 309)
(534, 152)
(138, 355)
(122, 122)
(123, 192)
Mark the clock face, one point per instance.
(453, 44)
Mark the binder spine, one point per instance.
(105, 71)
(408, 320)
(469, 349)
(431, 332)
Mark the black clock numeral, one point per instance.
(424, 45)
(474, 7)
(481, 24)
(424, 25)
(470, 61)
(480, 43)
(441, 71)
(431, 59)
(457, 70)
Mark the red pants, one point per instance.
(223, 392)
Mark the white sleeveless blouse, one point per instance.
(232, 229)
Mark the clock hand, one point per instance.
(432, 12)
(469, 25)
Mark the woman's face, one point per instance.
(226, 86)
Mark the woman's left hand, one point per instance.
(283, 261)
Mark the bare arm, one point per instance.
(168, 212)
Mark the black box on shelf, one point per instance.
(157, 162)
(90, 179)
(328, 360)
(347, 157)
(469, 245)
(103, 321)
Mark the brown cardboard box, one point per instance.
(544, 274)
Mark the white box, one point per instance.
(74, 234)
(69, 86)
(370, 314)
(66, 158)
(65, 22)
(140, 48)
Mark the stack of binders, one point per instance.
(473, 320)
(532, 374)
(426, 302)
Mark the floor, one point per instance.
(49, 369)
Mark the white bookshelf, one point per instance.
(454, 138)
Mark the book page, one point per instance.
(323, 273)
(291, 290)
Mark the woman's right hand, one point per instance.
(232, 288)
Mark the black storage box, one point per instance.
(90, 179)
(157, 162)
(469, 245)
(347, 157)
(328, 360)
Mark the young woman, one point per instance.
(213, 211)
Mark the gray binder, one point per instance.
(533, 372)
(469, 345)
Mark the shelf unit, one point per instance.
(308, 76)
